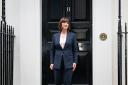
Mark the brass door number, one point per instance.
(103, 36)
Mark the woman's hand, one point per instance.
(51, 66)
(74, 66)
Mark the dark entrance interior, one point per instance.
(80, 14)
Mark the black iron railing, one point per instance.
(126, 53)
(120, 36)
(125, 38)
(6, 50)
(6, 54)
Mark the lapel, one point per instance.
(65, 41)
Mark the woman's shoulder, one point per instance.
(56, 34)
(71, 33)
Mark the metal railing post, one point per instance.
(125, 53)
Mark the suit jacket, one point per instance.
(69, 52)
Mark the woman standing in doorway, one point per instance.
(63, 54)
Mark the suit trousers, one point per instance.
(63, 75)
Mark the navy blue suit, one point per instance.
(69, 52)
(63, 59)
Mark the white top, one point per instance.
(62, 40)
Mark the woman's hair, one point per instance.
(63, 20)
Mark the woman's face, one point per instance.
(65, 26)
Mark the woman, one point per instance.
(63, 54)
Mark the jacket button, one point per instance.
(62, 53)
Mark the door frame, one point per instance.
(44, 20)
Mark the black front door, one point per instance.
(80, 14)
